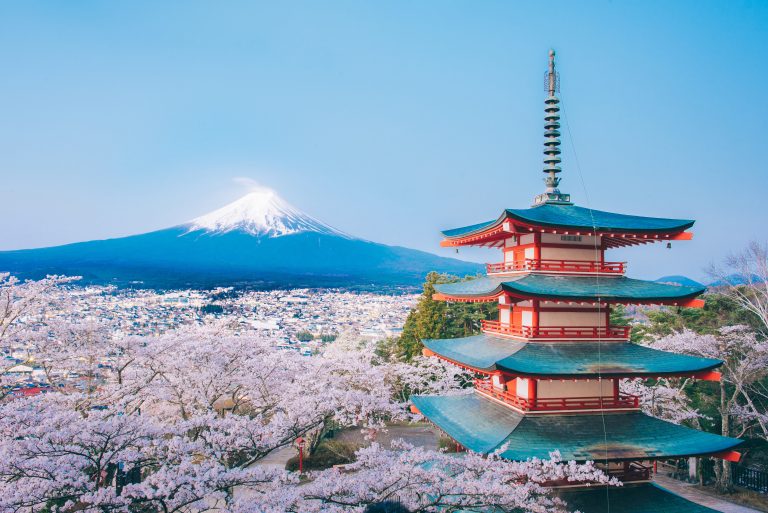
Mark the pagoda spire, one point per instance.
(552, 140)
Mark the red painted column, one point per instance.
(532, 392)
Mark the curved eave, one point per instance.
(597, 220)
(477, 353)
(487, 354)
(483, 425)
(571, 289)
(681, 300)
(625, 231)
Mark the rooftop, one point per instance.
(538, 286)
(577, 218)
(483, 425)
(639, 498)
(566, 359)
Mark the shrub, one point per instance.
(327, 454)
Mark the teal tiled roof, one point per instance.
(639, 498)
(483, 425)
(487, 352)
(571, 288)
(574, 217)
(479, 351)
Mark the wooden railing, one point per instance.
(632, 472)
(556, 331)
(623, 401)
(563, 266)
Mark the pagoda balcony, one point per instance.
(557, 266)
(632, 472)
(556, 332)
(554, 404)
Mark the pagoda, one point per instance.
(549, 368)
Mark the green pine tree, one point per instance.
(439, 319)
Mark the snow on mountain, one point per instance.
(261, 212)
(258, 241)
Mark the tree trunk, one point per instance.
(725, 479)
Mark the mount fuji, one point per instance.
(259, 241)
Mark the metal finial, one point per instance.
(552, 140)
(552, 75)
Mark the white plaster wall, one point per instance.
(522, 387)
(526, 239)
(571, 318)
(527, 318)
(529, 253)
(504, 316)
(589, 255)
(556, 388)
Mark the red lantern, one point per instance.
(300, 443)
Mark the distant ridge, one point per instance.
(678, 279)
(258, 241)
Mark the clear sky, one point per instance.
(388, 120)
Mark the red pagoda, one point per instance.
(552, 363)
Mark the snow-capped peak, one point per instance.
(260, 212)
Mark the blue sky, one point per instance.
(388, 120)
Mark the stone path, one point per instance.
(419, 435)
(278, 458)
(695, 494)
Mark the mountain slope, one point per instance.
(678, 279)
(259, 241)
(261, 212)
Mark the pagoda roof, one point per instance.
(483, 425)
(566, 359)
(576, 218)
(630, 498)
(618, 289)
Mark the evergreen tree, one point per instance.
(719, 310)
(439, 319)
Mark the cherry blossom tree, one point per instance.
(744, 278)
(22, 305)
(665, 399)
(179, 422)
(742, 392)
(430, 481)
